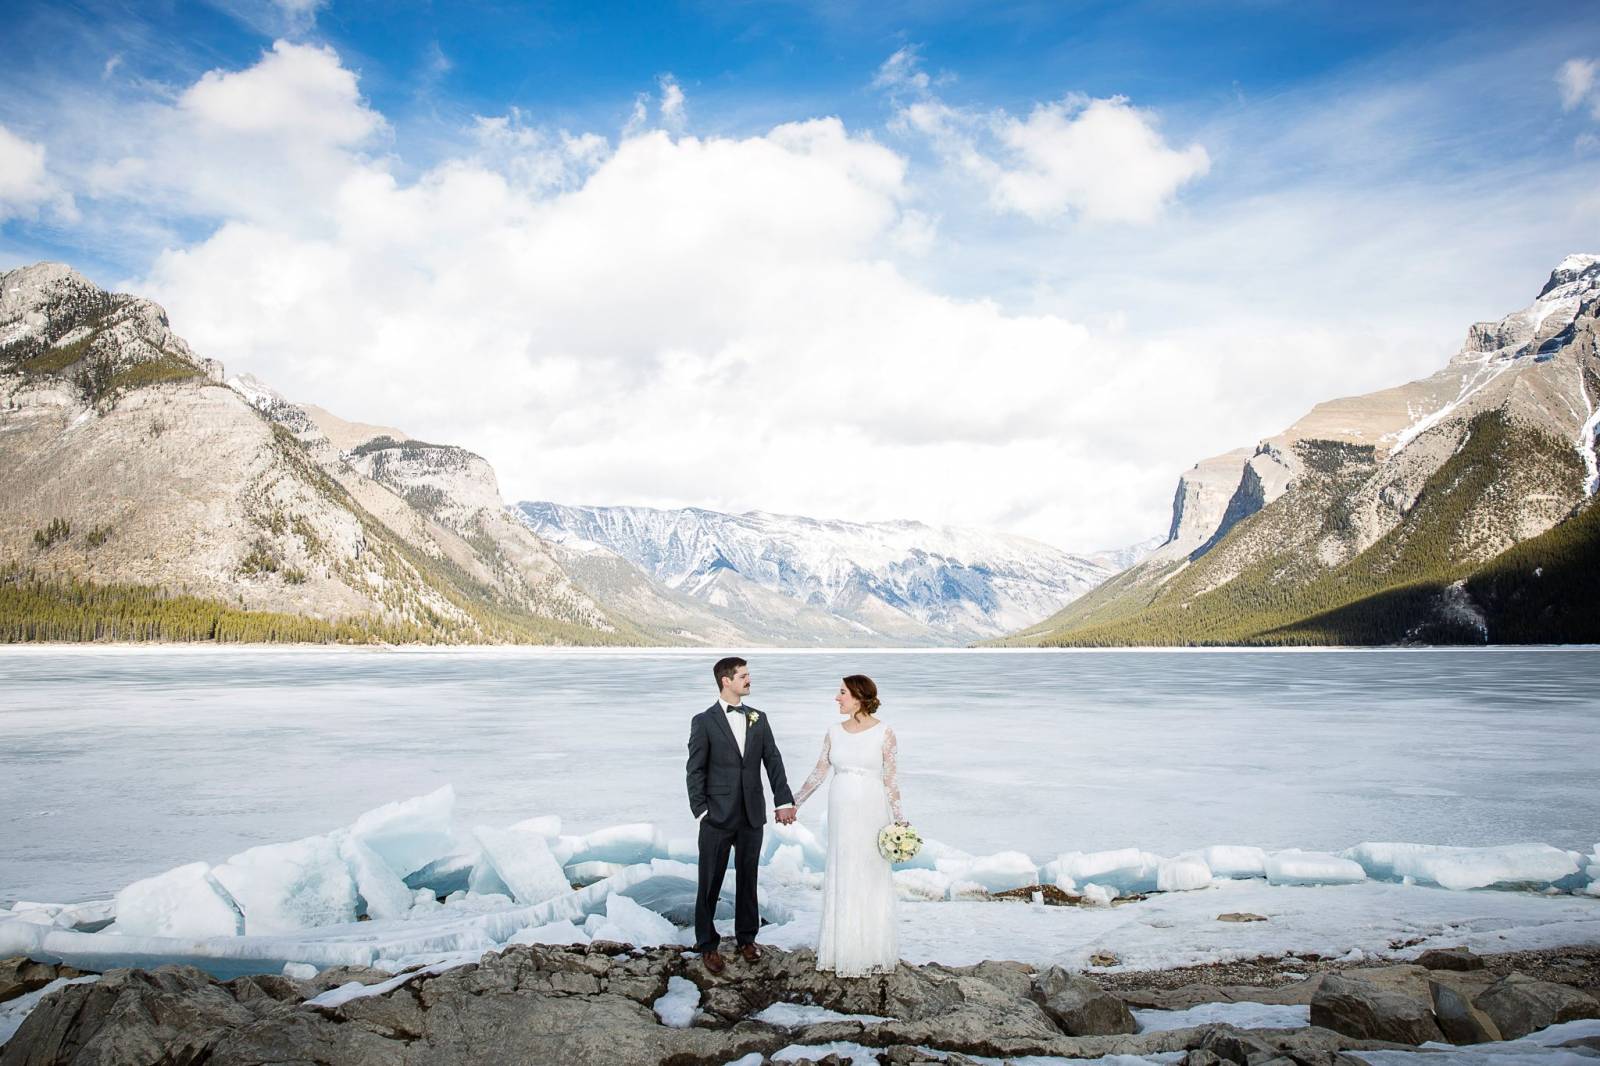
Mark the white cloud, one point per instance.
(26, 185)
(296, 90)
(1576, 81)
(801, 319)
(299, 16)
(271, 143)
(902, 72)
(673, 115)
(1103, 160)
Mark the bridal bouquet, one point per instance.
(897, 842)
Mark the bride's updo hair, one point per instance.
(862, 688)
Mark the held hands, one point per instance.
(784, 815)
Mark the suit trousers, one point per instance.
(745, 840)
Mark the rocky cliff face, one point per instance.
(124, 459)
(803, 580)
(1417, 483)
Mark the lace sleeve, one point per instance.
(817, 774)
(891, 771)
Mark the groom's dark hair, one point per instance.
(725, 668)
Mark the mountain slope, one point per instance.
(1392, 500)
(808, 581)
(126, 464)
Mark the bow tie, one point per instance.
(734, 710)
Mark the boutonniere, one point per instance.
(754, 717)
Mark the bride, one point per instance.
(857, 935)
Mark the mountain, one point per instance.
(794, 580)
(143, 497)
(1423, 512)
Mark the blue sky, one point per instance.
(1010, 265)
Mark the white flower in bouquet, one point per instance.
(898, 842)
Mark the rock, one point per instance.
(1449, 959)
(1520, 1005)
(1592, 1043)
(334, 976)
(1358, 1007)
(1310, 1057)
(1104, 958)
(1241, 916)
(21, 975)
(1201, 1057)
(579, 1007)
(1079, 1006)
(1461, 1022)
(1234, 1045)
(132, 1017)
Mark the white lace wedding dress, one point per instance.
(857, 936)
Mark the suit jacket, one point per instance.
(725, 783)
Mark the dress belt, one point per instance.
(861, 770)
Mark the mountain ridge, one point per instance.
(1349, 505)
(902, 581)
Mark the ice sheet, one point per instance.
(290, 887)
(1464, 868)
(523, 862)
(1081, 751)
(183, 902)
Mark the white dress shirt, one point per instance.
(740, 724)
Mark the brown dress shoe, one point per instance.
(750, 952)
(714, 962)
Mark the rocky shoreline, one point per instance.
(605, 1003)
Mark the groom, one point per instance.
(728, 744)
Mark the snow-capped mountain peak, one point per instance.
(901, 581)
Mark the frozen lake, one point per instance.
(118, 763)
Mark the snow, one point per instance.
(1296, 867)
(1483, 374)
(523, 863)
(350, 990)
(290, 887)
(952, 580)
(183, 902)
(793, 1015)
(1537, 865)
(678, 1006)
(1242, 1014)
(1586, 438)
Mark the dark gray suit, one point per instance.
(726, 786)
